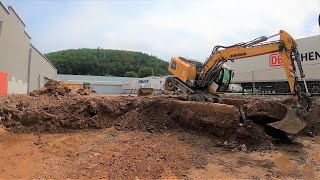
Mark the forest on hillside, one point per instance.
(106, 62)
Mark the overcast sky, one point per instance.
(165, 28)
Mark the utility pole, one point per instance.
(253, 84)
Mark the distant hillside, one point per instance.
(105, 62)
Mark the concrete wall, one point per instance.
(41, 70)
(14, 51)
(15, 54)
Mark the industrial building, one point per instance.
(114, 85)
(98, 84)
(23, 67)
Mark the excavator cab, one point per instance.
(223, 79)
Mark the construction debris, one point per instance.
(52, 88)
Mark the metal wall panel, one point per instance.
(40, 70)
(107, 89)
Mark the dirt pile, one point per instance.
(145, 91)
(229, 123)
(52, 88)
(312, 119)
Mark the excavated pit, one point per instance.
(236, 122)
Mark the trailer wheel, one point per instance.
(170, 83)
(315, 89)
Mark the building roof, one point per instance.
(89, 78)
(27, 35)
(4, 8)
(12, 10)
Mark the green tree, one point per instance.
(130, 74)
(145, 72)
(101, 62)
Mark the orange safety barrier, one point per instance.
(3, 83)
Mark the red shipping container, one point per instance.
(3, 83)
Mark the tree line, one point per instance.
(106, 62)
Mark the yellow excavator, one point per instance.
(83, 89)
(204, 81)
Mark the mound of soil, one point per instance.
(277, 102)
(52, 88)
(313, 120)
(46, 114)
(145, 91)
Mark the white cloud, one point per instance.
(315, 30)
(172, 28)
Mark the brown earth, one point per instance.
(148, 138)
(46, 114)
(52, 88)
(113, 154)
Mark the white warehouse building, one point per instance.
(115, 85)
(23, 68)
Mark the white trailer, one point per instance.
(132, 86)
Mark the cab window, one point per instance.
(225, 80)
(174, 65)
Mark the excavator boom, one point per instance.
(286, 46)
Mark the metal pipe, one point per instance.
(273, 35)
(305, 86)
(299, 64)
(256, 41)
(29, 71)
(253, 84)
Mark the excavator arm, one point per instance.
(287, 48)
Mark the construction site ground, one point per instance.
(124, 137)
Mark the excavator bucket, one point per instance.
(292, 123)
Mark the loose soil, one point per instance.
(78, 137)
(52, 88)
(46, 114)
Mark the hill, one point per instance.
(106, 62)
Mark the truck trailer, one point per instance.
(265, 72)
